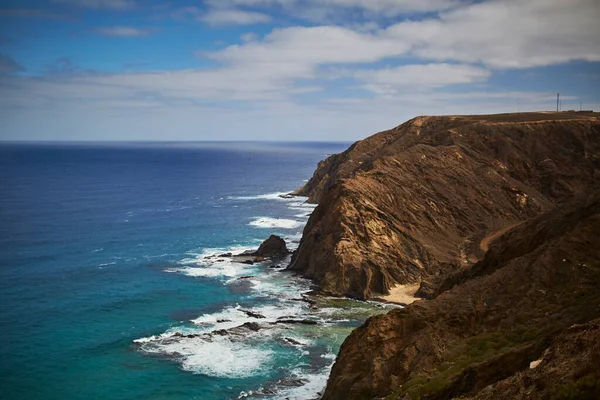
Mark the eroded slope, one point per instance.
(414, 202)
(535, 296)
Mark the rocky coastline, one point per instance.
(494, 222)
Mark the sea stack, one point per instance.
(273, 247)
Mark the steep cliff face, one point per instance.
(413, 203)
(534, 298)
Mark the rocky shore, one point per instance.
(496, 220)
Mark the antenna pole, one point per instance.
(557, 97)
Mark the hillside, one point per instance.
(535, 297)
(414, 203)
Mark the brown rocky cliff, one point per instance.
(413, 203)
(535, 296)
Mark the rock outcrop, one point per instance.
(413, 203)
(533, 301)
(274, 246)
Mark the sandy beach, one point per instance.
(402, 294)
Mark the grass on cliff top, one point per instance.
(467, 353)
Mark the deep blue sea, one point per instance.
(111, 284)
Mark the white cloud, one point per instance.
(420, 77)
(122, 31)
(324, 9)
(497, 33)
(219, 16)
(249, 37)
(508, 33)
(259, 82)
(118, 5)
(302, 49)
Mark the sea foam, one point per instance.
(267, 196)
(281, 223)
(218, 357)
(208, 264)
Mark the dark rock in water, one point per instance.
(274, 246)
(182, 335)
(287, 317)
(292, 341)
(296, 321)
(253, 326)
(286, 196)
(220, 321)
(305, 300)
(253, 314)
(241, 278)
(226, 255)
(249, 262)
(291, 382)
(220, 332)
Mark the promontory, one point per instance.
(493, 223)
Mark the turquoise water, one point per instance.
(105, 263)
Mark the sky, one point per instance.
(284, 70)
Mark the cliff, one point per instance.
(533, 301)
(413, 203)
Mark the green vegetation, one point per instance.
(585, 388)
(468, 353)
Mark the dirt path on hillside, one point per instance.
(484, 245)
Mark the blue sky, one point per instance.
(284, 69)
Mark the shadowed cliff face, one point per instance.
(535, 296)
(413, 203)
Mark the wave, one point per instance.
(302, 205)
(281, 223)
(295, 202)
(223, 344)
(268, 196)
(231, 317)
(313, 384)
(208, 264)
(228, 270)
(107, 263)
(203, 349)
(218, 357)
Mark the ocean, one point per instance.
(112, 285)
